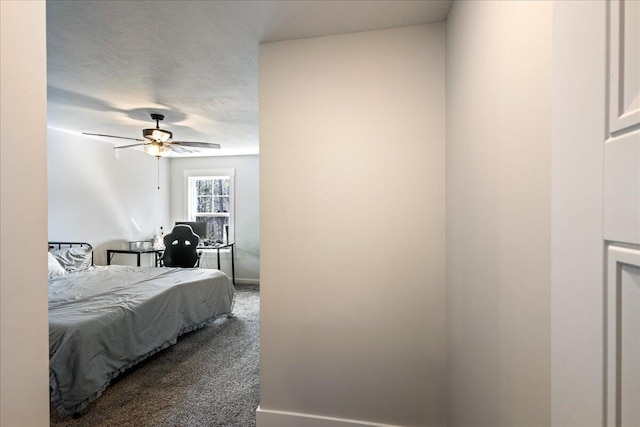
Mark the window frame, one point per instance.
(189, 199)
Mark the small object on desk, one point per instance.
(141, 245)
(158, 241)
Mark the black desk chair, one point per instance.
(181, 248)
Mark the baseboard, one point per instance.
(269, 418)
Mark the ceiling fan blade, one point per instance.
(113, 136)
(127, 146)
(178, 149)
(196, 144)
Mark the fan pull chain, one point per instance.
(158, 157)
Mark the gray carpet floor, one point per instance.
(209, 378)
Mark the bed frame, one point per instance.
(61, 245)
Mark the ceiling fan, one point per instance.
(159, 142)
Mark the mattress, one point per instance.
(106, 319)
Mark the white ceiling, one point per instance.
(111, 63)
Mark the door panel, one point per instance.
(623, 336)
(624, 106)
(622, 188)
(622, 149)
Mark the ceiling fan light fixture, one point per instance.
(159, 135)
(156, 150)
(159, 142)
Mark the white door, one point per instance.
(622, 217)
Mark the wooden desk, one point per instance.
(111, 252)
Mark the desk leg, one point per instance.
(109, 256)
(138, 259)
(233, 267)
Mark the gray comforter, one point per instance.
(106, 319)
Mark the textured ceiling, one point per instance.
(111, 63)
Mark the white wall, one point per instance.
(579, 99)
(352, 229)
(24, 362)
(102, 199)
(498, 213)
(247, 214)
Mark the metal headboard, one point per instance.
(61, 245)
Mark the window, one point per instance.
(210, 200)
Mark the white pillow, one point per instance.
(55, 269)
(74, 259)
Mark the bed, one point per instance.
(105, 319)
